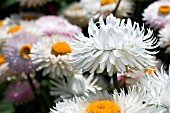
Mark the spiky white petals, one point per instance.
(75, 85)
(158, 84)
(115, 46)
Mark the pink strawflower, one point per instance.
(51, 25)
(16, 51)
(156, 16)
(20, 91)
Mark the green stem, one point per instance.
(115, 82)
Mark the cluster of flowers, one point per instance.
(76, 63)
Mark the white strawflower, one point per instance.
(165, 37)
(51, 54)
(158, 84)
(136, 101)
(115, 46)
(73, 85)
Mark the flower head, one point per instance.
(51, 54)
(20, 91)
(157, 14)
(56, 25)
(115, 46)
(73, 85)
(17, 50)
(158, 84)
(102, 102)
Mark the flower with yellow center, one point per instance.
(25, 51)
(61, 48)
(135, 101)
(157, 14)
(105, 2)
(17, 50)
(52, 56)
(2, 59)
(164, 9)
(14, 28)
(102, 106)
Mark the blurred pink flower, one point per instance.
(51, 25)
(20, 91)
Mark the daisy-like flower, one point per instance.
(56, 25)
(158, 84)
(157, 14)
(135, 101)
(20, 91)
(75, 85)
(165, 37)
(17, 50)
(115, 46)
(32, 3)
(105, 7)
(51, 54)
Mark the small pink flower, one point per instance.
(20, 91)
(51, 25)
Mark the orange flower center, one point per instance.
(105, 2)
(102, 106)
(25, 51)
(2, 59)
(149, 70)
(61, 48)
(14, 28)
(164, 9)
(1, 23)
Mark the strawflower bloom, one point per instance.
(51, 54)
(157, 15)
(17, 50)
(20, 91)
(114, 45)
(165, 37)
(56, 25)
(135, 101)
(158, 83)
(75, 85)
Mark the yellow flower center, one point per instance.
(25, 51)
(14, 28)
(2, 59)
(149, 70)
(105, 2)
(102, 106)
(60, 48)
(1, 23)
(164, 9)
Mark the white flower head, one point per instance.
(115, 46)
(51, 54)
(73, 85)
(135, 101)
(165, 37)
(158, 84)
(157, 14)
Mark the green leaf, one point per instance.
(6, 106)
